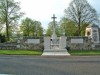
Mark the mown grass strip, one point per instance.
(20, 52)
(84, 52)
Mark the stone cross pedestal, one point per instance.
(54, 45)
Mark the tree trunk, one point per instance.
(79, 23)
(7, 25)
(79, 30)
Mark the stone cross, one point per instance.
(54, 36)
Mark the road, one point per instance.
(44, 65)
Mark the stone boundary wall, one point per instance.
(8, 46)
(96, 46)
(24, 44)
(81, 43)
(73, 42)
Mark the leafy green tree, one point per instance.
(81, 12)
(38, 30)
(83, 28)
(67, 27)
(9, 15)
(31, 27)
(26, 26)
(50, 29)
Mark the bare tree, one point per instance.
(80, 11)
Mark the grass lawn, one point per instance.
(37, 52)
(84, 52)
(20, 52)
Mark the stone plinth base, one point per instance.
(55, 52)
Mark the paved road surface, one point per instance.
(40, 65)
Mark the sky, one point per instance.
(43, 10)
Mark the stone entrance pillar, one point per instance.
(47, 42)
(62, 43)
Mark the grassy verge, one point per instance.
(84, 52)
(20, 52)
(37, 52)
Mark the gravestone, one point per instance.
(55, 45)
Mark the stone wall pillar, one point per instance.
(47, 42)
(63, 43)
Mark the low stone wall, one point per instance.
(8, 46)
(81, 43)
(30, 43)
(97, 46)
(37, 43)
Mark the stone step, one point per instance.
(55, 50)
(51, 52)
(55, 54)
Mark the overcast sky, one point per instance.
(42, 10)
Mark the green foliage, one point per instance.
(26, 26)
(83, 28)
(50, 29)
(68, 27)
(38, 28)
(31, 27)
(9, 15)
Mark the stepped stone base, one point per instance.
(55, 52)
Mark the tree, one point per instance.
(50, 29)
(81, 12)
(38, 30)
(67, 27)
(83, 28)
(9, 14)
(31, 27)
(26, 26)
